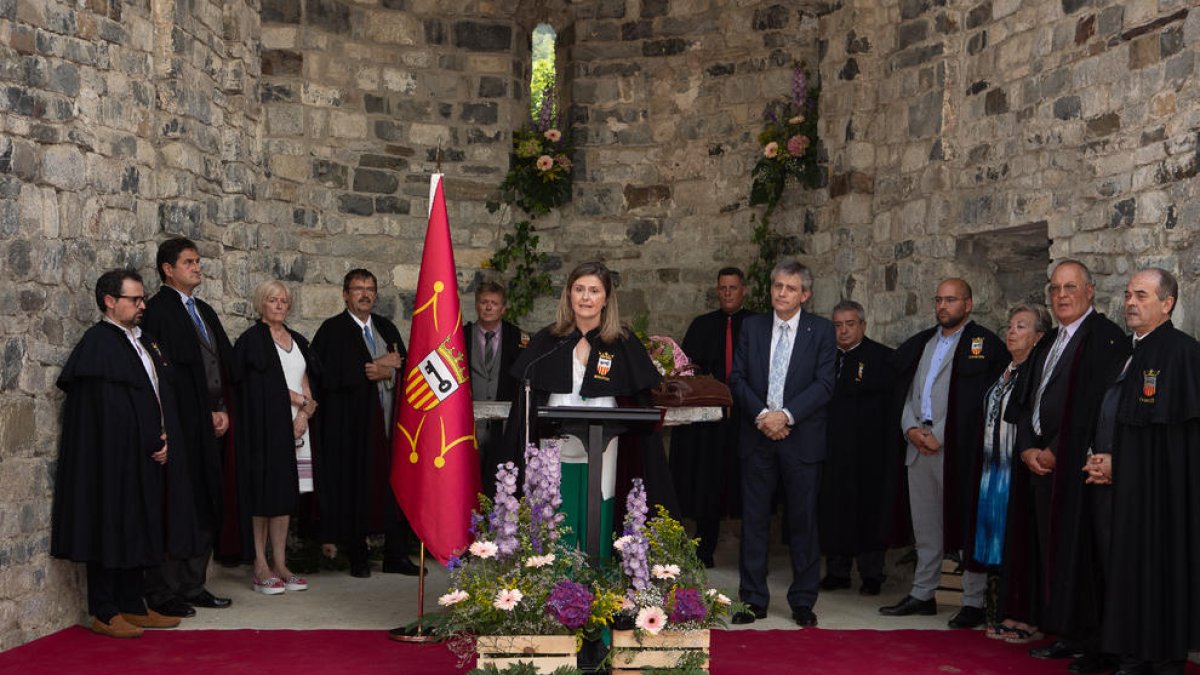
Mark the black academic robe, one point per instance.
(861, 430)
(199, 448)
(629, 377)
(268, 480)
(1054, 590)
(704, 458)
(512, 341)
(1152, 605)
(354, 490)
(109, 494)
(979, 359)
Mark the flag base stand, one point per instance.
(416, 631)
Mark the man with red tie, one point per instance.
(704, 456)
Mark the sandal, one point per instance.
(1021, 636)
(295, 583)
(268, 586)
(1000, 631)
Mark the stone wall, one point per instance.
(979, 138)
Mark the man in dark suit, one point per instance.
(782, 379)
(192, 335)
(861, 434)
(360, 353)
(944, 372)
(493, 345)
(704, 462)
(1071, 369)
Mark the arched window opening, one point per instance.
(543, 100)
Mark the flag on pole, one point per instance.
(435, 464)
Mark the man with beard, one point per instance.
(360, 353)
(118, 423)
(860, 434)
(704, 455)
(192, 335)
(1147, 451)
(962, 358)
(1056, 417)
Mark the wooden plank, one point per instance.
(950, 598)
(526, 644)
(543, 664)
(651, 658)
(696, 639)
(949, 567)
(951, 582)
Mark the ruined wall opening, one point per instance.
(1008, 266)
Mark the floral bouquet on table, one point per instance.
(665, 352)
(516, 577)
(666, 586)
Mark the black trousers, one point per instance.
(182, 578)
(870, 565)
(113, 591)
(395, 544)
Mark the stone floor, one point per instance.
(337, 600)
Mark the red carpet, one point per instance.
(208, 652)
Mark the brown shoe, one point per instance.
(117, 627)
(152, 619)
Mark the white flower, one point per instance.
(507, 599)
(651, 619)
(621, 543)
(720, 597)
(483, 549)
(452, 598)
(665, 571)
(539, 560)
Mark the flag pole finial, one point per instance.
(439, 157)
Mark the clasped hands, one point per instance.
(1099, 469)
(773, 425)
(924, 441)
(1040, 461)
(382, 367)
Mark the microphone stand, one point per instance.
(527, 386)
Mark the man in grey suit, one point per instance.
(782, 380)
(944, 437)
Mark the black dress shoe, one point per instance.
(832, 583)
(910, 605)
(175, 607)
(402, 566)
(1092, 663)
(870, 587)
(749, 614)
(1056, 650)
(360, 571)
(206, 599)
(968, 617)
(804, 617)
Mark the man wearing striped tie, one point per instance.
(782, 380)
(360, 353)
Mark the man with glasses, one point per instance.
(191, 334)
(704, 456)
(944, 372)
(360, 353)
(1055, 416)
(118, 425)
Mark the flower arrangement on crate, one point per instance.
(789, 152)
(666, 586)
(516, 578)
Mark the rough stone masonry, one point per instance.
(293, 139)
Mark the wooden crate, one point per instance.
(656, 651)
(949, 591)
(546, 652)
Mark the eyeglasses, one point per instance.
(1055, 289)
(135, 299)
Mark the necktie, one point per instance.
(841, 358)
(370, 338)
(191, 307)
(489, 348)
(728, 346)
(779, 364)
(1056, 351)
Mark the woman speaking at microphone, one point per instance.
(587, 358)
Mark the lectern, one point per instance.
(596, 427)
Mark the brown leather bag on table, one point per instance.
(678, 391)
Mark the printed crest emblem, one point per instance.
(603, 364)
(976, 346)
(524, 340)
(436, 377)
(1149, 382)
(858, 377)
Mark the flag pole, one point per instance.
(415, 631)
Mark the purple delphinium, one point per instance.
(543, 473)
(505, 514)
(453, 563)
(635, 553)
(570, 603)
(800, 89)
(688, 606)
(476, 522)
(545, 115)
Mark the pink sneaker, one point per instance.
(295, 583)
(268, 586)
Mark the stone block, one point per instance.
(328, 15)
(372, 180)
(774, 17)
(394, 28)
(281, 11)
(63, 167)
(669, 47)
(285, 120)
(346, 124)
(1067, 108)
(329, 173)
(1144, 51)
(925, 115)
(482, 37)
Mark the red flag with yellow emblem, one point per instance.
(435, 465)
